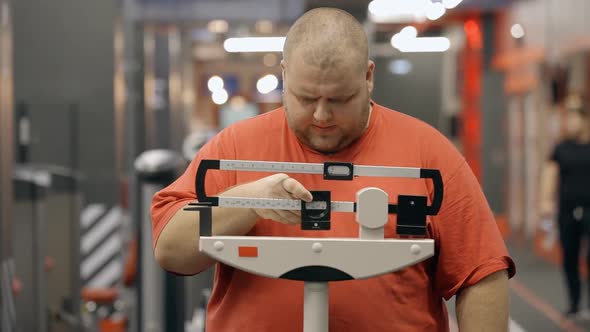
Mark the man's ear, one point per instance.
(370, 75)
(283, 69)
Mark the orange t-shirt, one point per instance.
(468, 243)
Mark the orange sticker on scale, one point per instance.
(248, 251)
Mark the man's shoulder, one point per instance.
(566, 143)
(405, 123)
(422, 139)
(562, 146)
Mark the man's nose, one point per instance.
(322, 111)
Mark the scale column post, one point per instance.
(315, 306)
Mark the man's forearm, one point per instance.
(485, 305)
(549, 178)
(177, 249)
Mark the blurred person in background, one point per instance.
(565, 194)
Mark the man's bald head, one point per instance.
(327, 37)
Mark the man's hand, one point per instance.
(279, 185)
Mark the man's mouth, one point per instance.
(325, 127)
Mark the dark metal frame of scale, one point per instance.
(411, 210)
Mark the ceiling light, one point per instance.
(267, 84)
(407, 41)
(426, 44)
(219, 97)
(449, 4)
(400, 67)
(517, 31)
(435, 10)
(215, 83)
(405, 11)
(254, 44)
(406, 33)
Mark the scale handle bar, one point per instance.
(204, 166)
(215, 164)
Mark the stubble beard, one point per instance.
(307, 138)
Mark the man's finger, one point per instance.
(297, 190)
(289, 217)
(282, 217)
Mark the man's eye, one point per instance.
(307, 100)
(341, 100)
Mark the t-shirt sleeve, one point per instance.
(172, 198)
(468, 241)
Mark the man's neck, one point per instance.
(369, 119)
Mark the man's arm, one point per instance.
(485, 305)
(549, 180)
(177, 249)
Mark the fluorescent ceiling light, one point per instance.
(449, 4)
(406, 33)
(254, 44)
(397, 10)
(407, 41)
(435, 10)
(426, 44)
(405, 11)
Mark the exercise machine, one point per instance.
(318, 261)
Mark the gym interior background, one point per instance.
(89, 90)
